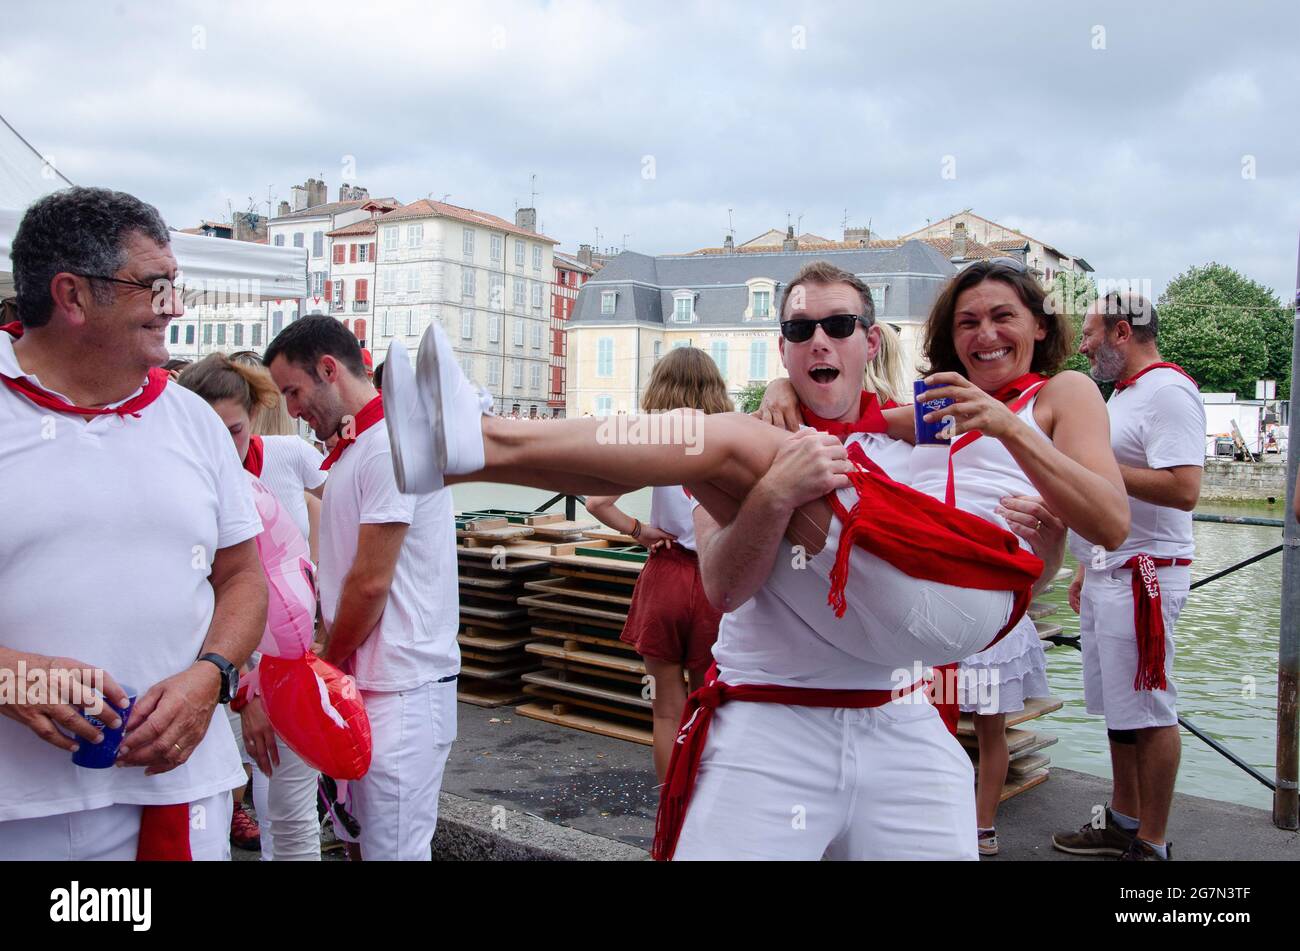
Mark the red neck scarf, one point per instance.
(870, 419)
(253, 460)
(1121, 385)
(1020, 391)
(153, 387)
(370, 414)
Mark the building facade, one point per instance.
(1045, 260)
(486, 280)
(570, 275)
(638, 307)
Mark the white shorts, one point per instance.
(803, 783)
(396, 802)
(112, 834)
(891, 618)
(1110, 653)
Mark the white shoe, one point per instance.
(410, 435)
(453, 404)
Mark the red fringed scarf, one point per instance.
(870, 419)
(164, 834)
(1022, 390)
(1149, 620)
(155, 382)
(254, 458)
(679, 783)
(1121, 385)
(370, 414)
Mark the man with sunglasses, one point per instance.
(848, 779)
(127, 550)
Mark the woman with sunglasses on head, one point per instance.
(992, 344)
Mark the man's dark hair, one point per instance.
(80, 231)
(308, 339)
(1134, 309)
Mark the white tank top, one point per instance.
(983, 472)
(670, 511)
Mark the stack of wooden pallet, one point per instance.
(1029, 765)
(589, 679)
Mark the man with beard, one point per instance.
(1128, 599)
(388, 589)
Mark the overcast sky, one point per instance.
(1175, 144)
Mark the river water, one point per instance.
(1225, 667)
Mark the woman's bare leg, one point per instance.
(667, 699)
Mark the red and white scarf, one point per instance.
(371, 413)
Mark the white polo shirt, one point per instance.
(672, 511)
(290, 466)
(768, 641)
(109, 530)
(415, 640)
(1157, 423)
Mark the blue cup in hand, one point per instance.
(102, 755)
(927, 434)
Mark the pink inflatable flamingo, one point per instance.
(313, 706)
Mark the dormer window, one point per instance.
(608, 301)
(762, 294)
(683, 307)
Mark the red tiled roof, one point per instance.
(427, 208)
(335, 207)
(974, 249)
(367, 226)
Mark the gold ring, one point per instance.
(179, 748)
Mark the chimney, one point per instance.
(789, 244)
(353, 192)
(299, 194)
(316, 193)
(959, 241)
(859, 236)
(283, 210)
(526, 218)
(728, 245)
(584, 254)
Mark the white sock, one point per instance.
(1160, 850)
(1127, 823)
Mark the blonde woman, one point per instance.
(671, 623)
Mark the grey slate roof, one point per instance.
(914, 273)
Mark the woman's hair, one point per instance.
(176, 363)
(267, 420)
(1050, 353)
(686, 377)
(217, 378)
(886, 376)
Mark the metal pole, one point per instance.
(1286, 808)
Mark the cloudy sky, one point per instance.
(1144, 140)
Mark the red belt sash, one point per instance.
(164, 834)
(694, 731)
(1149, 619)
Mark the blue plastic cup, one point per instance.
(102, 755)
(927, 434)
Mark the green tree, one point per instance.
(1221, 345)
(1256, 310)
(1070, 293)
(750, 397)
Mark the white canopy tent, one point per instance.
(221, 266)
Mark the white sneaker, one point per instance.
(410, 435)
(454, 405)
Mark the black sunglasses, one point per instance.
(838, 326)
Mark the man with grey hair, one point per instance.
(127, 559)
(1129, 599)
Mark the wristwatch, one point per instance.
(229, 676)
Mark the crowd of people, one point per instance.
(824, 594)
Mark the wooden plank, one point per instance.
(1039, 609)
(625, 581)
(562, 621)
(550, 518)
(550, 679)
(554, 696)
(583, 639)
(1034, 707)
(1047, 629)
(497, 673)
(485, 693)
(493, 642)
(1014, 787)
(573, 588)
(590, 724)
(492, 614)
(514, 556)
(605, 673)
(588, 657)
(1018, 768)
(1017, 740)
(494, 584)
(553, 602)
(488, 597)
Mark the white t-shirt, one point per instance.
(1157, 423)
(671, 511)
(109, 530)
(415, 640)
(289, 467)
(766, 641)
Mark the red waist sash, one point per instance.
(1149, 620)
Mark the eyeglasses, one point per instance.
(838, 326)
(159, 285)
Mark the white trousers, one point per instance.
(286, 809)
(396, 802)
(802, 783)
(111, 834)
(1110, 653)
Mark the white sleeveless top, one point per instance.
(983, 472)
(670, 511)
